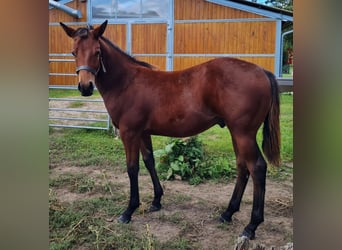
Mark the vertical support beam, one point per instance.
(129, 38)
(109, 121)
(170, 38)
(277, 59)
(89, 12)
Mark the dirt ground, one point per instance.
(197, 209)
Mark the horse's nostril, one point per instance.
(86, 90)
(91, 85)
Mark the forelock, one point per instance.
(82, 32)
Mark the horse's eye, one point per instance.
(73, 53)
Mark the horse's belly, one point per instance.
(179, 126)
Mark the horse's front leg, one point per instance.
(131, 143)
(147, 153)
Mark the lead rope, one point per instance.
(102, 64)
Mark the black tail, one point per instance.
(271, 129)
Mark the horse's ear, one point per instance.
(69, 31)
(101, 29)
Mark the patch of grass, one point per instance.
(281, 173)
(82, 147)
(76, 104)
(148, 240)
(79, 183)
(180, 198)
(84, 223)
(181, 244)
(286, 123)
(65, 93)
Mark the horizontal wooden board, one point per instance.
(62, 67)
(186, 62)
(200, 9)
(225, 38)
(158, 61)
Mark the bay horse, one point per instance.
(143, 101)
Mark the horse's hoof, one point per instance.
(249, 235)
(154, 208)
(223, 219)
(124, 219)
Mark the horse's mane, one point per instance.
(83, 33)
(131, 58)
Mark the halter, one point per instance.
(90, 69)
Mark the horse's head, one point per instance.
(87, 55)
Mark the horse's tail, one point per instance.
(271, 129)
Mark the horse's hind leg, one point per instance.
(249, 162)
(147, 153)
(258, 173)
(241, 182)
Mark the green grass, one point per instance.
(286, 125)
(85, 223)
(84, 147)
(76, 104)
(63, 93)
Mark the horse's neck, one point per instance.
(118, 70)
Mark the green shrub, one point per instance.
(186, 158)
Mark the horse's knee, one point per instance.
(259, 169)
(149, 160)
(132, 170)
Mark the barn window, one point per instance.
(128, 9)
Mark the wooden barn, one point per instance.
(171, 34)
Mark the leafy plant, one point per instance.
(179, 157)
(186, 158)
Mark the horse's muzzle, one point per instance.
(86, 90)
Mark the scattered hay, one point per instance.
(282, 207)
(243, 243)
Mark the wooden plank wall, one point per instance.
(150, 39)
(220, 37)
(186, 62)
(60, 43)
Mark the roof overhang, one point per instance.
(256, 9)
(72, 12)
